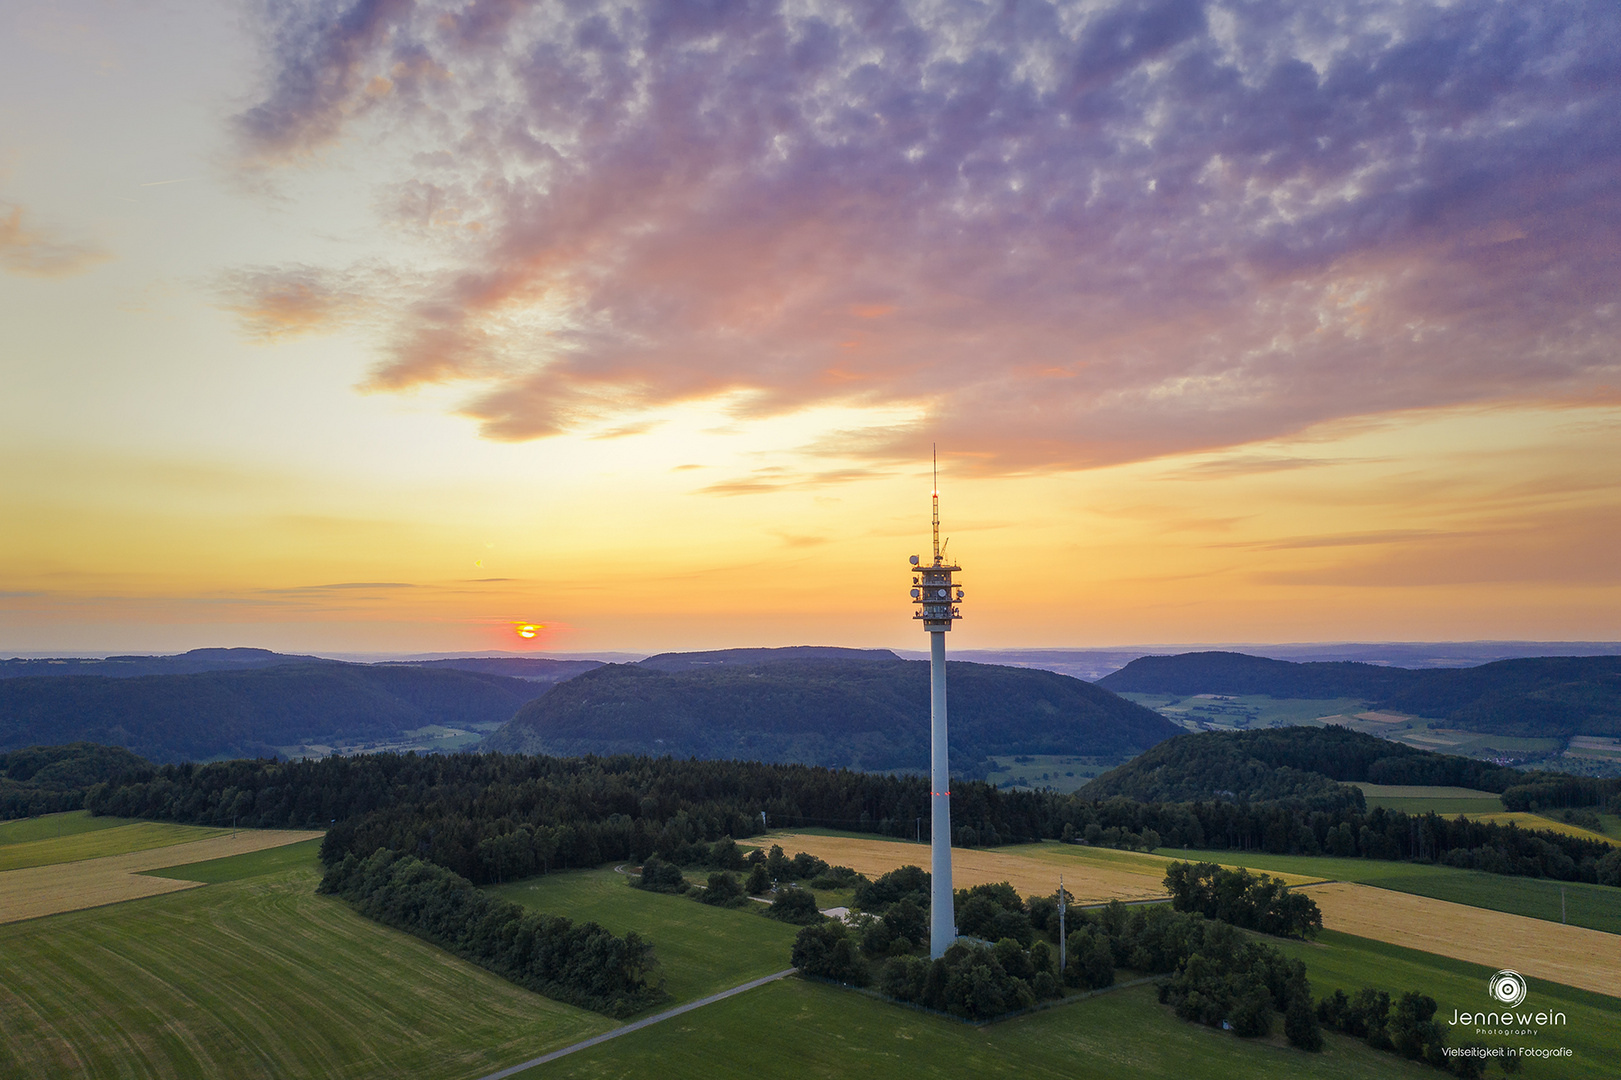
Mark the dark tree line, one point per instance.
(579, 963)
(51, 779)
(494, 817)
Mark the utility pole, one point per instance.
(1063, 928)
(936, 593)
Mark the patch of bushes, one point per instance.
(1239, 897)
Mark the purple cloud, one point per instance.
(1072, 235)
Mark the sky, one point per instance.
(404, 325)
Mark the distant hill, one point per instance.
(248, 713)
(1296, 763)
(532, 668)
(1538, 697)
(1239, 673)
(837, 707)
(198, 661)
(128, 667)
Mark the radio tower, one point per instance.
(936, 595)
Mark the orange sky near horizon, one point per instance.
(397, 332)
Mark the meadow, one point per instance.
(1338, 961)
(55, 826)
(256, 975)
(252, 974)
(804, 1029)
(701, 949)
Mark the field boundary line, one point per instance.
(638, 1025)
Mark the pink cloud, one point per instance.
(1070, 236)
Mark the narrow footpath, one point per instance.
(638, 1025)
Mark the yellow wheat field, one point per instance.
(1092, 875)
(1536, 821)
(1573, 955)
(46, 890)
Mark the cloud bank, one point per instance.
(1070, 234)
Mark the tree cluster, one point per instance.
(1238, 897)
(51, 779)
(578, 963)
(1411, 1030)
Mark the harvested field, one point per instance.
(1092, 875)
(1572, 955)
(135, 836)
(34, 891)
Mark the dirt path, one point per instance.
(46, 890)
(638, 1025)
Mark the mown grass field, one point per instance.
(55, 826)
(702, 949)
(1343, 962)
(1597, 907)
(299, 856)
(796, 1028)
(95, 843)
(257, 977)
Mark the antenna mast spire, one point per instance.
(937, 504)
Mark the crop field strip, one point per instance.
(1572, 955)
(1091, 875)
(36, 891)
(1597, 907)
(257, 977)
(121, 840)
(1537, 821)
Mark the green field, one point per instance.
(1593, 1032)
(53, 826)
(257, 977)
(1202, 711)
(803, 1029)
(1597, 907)
(1448, 801)
(300, 856)
(1061, 773)
(119, 840)
(702, 949)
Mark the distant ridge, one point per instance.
(865, 709)
(1557, 696)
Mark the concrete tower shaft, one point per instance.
(936, 593)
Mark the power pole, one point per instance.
(1063, 927)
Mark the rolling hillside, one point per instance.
(837, 707)
(1539, 697)
(249, 713)
(1307, 763)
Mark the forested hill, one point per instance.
(249, 713)
(1306, 763)
(844, 707)
(1555, 696)
(129, 667)
(198, 661)
(1238, 673)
